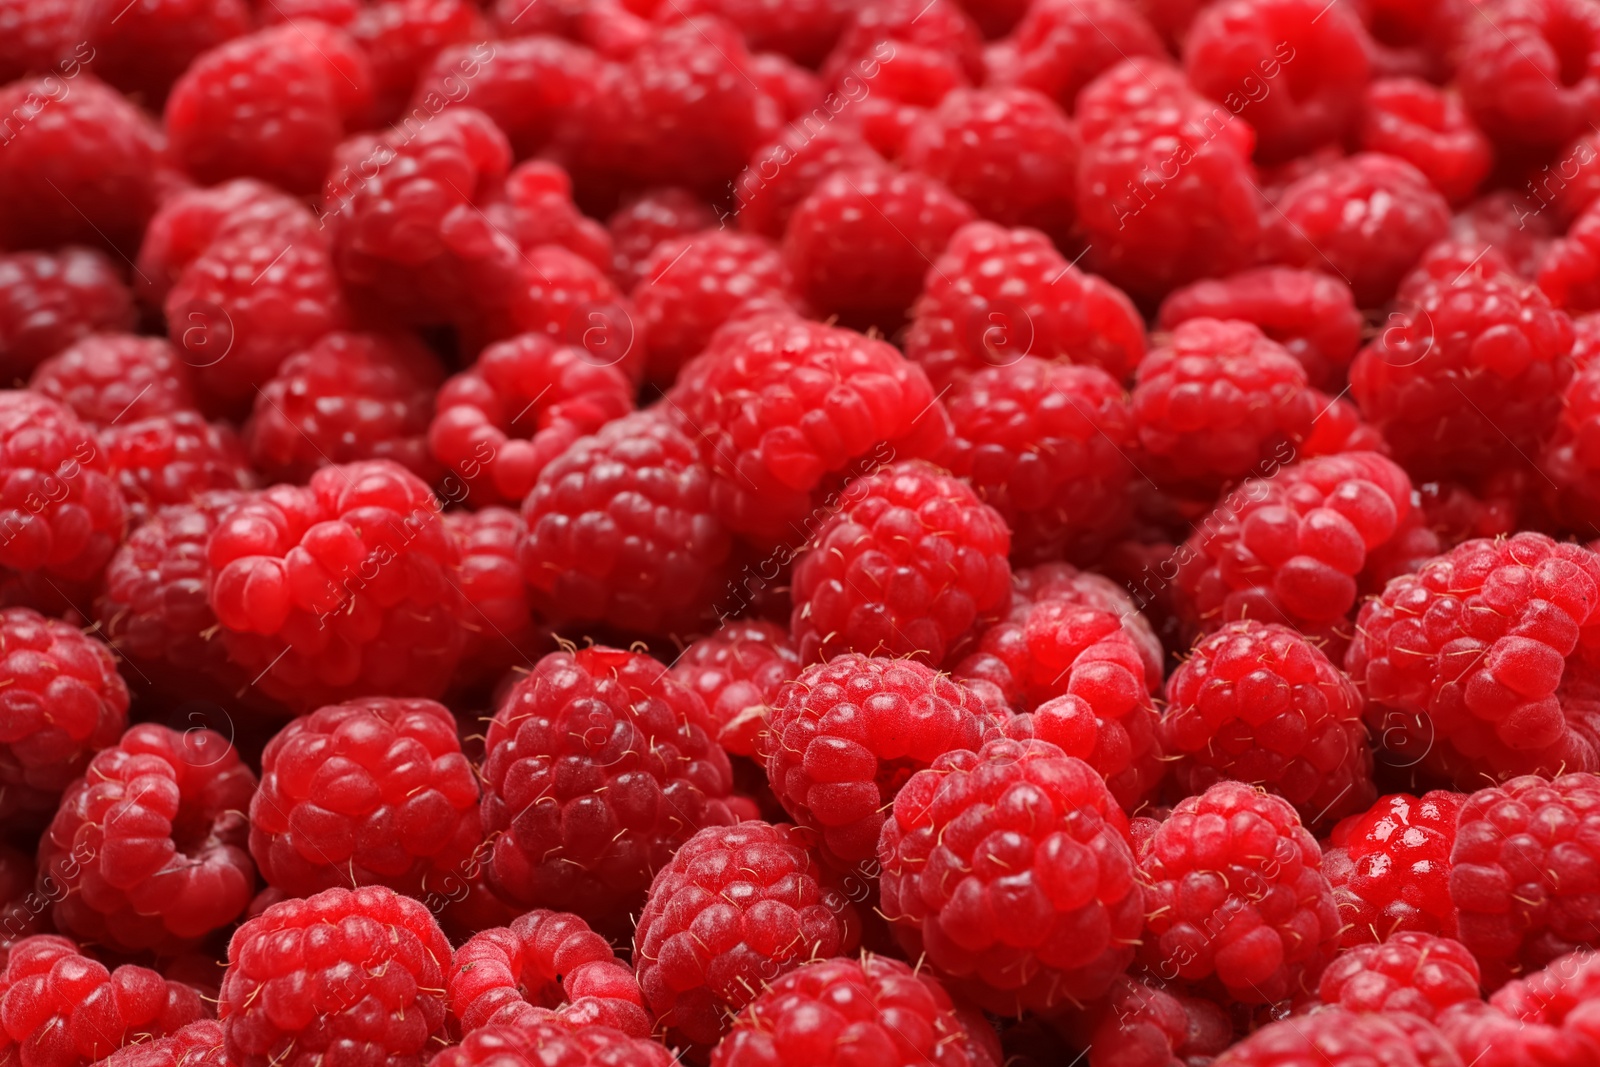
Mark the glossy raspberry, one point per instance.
(1528, 71)
(50, 300)
(1141, 1024)
(782, 174)
(1411, 120)
(563, 295)
(1476, 667)
(190, 219)
(731, 911)
(804, 31)
(551, 1042)
(142, 50)
(534, 88)
(1390, 867)
(910, 563)
(110, 378)
(621, 530)
(996, 295)
(1236, 896)
(545, 963)
(1336, 1037)
(1570, 270)
(499, 622)
(62, 1008)
(339, 589)
(172, 459)
(354, 974)
(350, 396)
(402, 38)
(1546, 1017)
(539, 196)
(502, 421)
(648, 219)
(599, 766)
(861, 241)
(37, 38)
(739, 671)
(162, 816)
(1412, 972)
(1061, 45)
(198, 1044)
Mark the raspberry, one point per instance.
(1518, 871)
(739, 670)
(160, 817)
(1236, 896)
(884, 28)
(1141, 1024)
(1215, 402)
(402, 38)
(20, 907)
(357, 973)
(37, 36)
(64, 1009)
(648, 219)
(349, 396)
(638, 774)
(189, 220)
(198, 1044)
(1414, 38)
(1236, 45)
(1256, 702)
(1390, 868)
(343, 588)
(844, 737)
(106, 378)
(497, 619)
(691, 285)
(547, 1042)
(370, 792)
(837, 1012)
(804, 32)
(1136, 90)
(785, 408)
(997, 295)
(534, 88)
(1428, 128)
(50, 300)
(1528, 71)
(782, 174)
(1335, 1037)
(510, 976)
(620, 530)
(1043, 908)
(1062, 45)
(1411, 972)
(1046, 446)
(1476, 667)
(539, 195)
(908, 566)
(1312, 315)
(729, 913)
(1569, 459)
(501, 422)
(142, 50)
(171, 459)
(1367, 217)
(1546, 1017)
(1570, 271)
(568, 298)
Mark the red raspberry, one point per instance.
(739, 671)
(1528, 71)
(374, 792)
(620, 530)
(65, 702)
(348, 397)
(691, 285)
(21, 909)
(1477, 666)
(50, 300)
(996, 295)
(1368, 218)
(882, 29)
(1311, 314)
(401, 38)
(1428, 128)
(1335, 1037)
(1044, 908)
(189, 220)
(1569, 458)
(1046, 446)
(172, 459)
(1142, 1025)
(1569, 273)
(910, 563)
(357, 973)
(838, 1012)
(1518, 874)
(539, 196)
(785, 408)
(340, 589)
(1390, 867)
(804, 32)
(498, 621)
(567, 297)
(549, 1042)
(111, 377)
(1547, 1017)
(1257, 702)
(143, 49)
(64, 1009)
(647, 219)
(1410, 971)
(512, 976)
(782, 174)
(534, 88)
(1243, 46)
(1236, 896)
(199, 1044)
(638, 774)
(729, 913)
(861, 242)
(501, 422)
(1136, 90)
(1414, 38)
(844, 737)
(37, 37)
(1062, 45)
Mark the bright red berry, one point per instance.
(739, 671)
(401, 39)
(50, 300)
(1528, 72)
(1390, 867)
(553, 1042)
(172, 459)
(1336, 1037)
(1429, 128)
(1546, 1017)
(647, 219)
(782, 174)
(498, 619)
(535, 88)
(110, 378)
(1412, 972)
(1061, 45)
(199, 1044)
(1142, 1023)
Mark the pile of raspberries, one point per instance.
(800, 533)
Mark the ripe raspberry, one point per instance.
(142, 50)
(1476, 667)
(649, 218)
(730, 912)
(402, 38)
(1546, 1017)
(566, 297)
(997, 295)
(804, 32)
(639, 773)
(111, 377)
(535, 88)
(551, 1042)
(782, 174)
(63, 1009)
(1062, 45)
(1428, 128)
(172, 459)
(786, 408)
(1135, 90)
(884, 28)
(620, 530)
(908, 566)
(51, 300)
(1312, 315)
(177, 868)
(739, 671)
(271, 105)
(1236, 896)
(198, 1044)
(1143, 1025)
(1390, 868)
(861, 241)
(501, 422)
(340, 589)
(539, 197)
(357, 973)
(189, 220)
(1335, 1037)
(1257, 702)
(21, 909)
(1569, 273)
(1528, 71)
(1414, 38)
(499, 624)
(516, 975)
(1410, 972)
(348, 397)
(37, 37)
